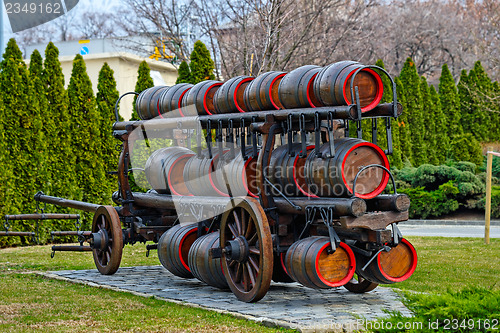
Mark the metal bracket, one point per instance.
(397, 236)
(374, 131)
(317, 134)
(310, 216)
(330, 135)
(327, 216)
(303, 138)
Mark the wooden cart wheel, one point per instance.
(360, 285)
(108, 240)
(247, 248)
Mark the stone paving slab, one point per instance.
(286, 304)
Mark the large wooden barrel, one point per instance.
(202, 266)
(173, 249)
(170, 101)
(394, 266)
(239, 176)
(164, 170)
(332, 85)
(262, 93)
(296, 88)
(201, 97)
(309, 262)
(229, 97)
(334, 177)
(286, 172)
(199, 175)
(146, 103)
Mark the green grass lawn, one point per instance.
(32, 303)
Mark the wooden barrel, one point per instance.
(394, 266)
(170, 101)
(296, 88)
(332, 85)
(334, 177)
(199, 175)
(173, 249)
(239, 176)
(146, 103)
(229, 97)
(202, 266)
(309, 262)
(164, 170)
(201, 97)
(287, 173)
(262, 93)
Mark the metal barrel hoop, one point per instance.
(373, 166)
(117, 116)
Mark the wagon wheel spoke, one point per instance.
(233, 230)
(238, 223)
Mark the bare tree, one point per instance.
(166, 23)
(253, 36)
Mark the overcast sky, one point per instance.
(105, 5)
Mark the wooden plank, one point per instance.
(373, 221)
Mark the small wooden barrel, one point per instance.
(173, 249)
(240, 178)
(262, 93)
(332, 85)
(334, 177)
(199, 175)
(170, 100)
(164, 170)
(309, 263)
(229, 97)
(394, 266)
(146, 103)
(296, 88)
(287, 173)
(201, 97)
(202, 266)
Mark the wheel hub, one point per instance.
(237, 249)
(100, 239)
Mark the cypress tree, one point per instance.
(107, 94)
(443, 149)
(430, 123)
(403, 125)
(413, 106)
(483, 99)
(495, 116)
(467, 111)
(201, 64)
(144, 81)
(450, 102)
(21, 133)
(40, 106)
(464, 147)
(86, 123)
(57, 126)
(5, 177)
(184, 74)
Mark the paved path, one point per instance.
(286, 304)
(449, 230)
